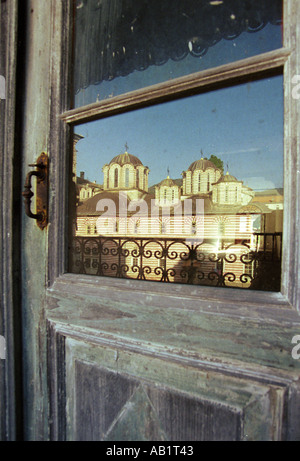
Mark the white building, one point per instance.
(126, 172)
(203, 229)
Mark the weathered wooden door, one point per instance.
(120, 359)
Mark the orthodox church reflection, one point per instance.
(206, 228)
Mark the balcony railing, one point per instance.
(254, 263)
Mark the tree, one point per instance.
(217, 161)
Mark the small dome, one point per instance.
(202, 164)
(125, 159)
(167, 182)
(227, 178)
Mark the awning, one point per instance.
(116, 37)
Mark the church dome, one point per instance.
(125, 171)
(227, 178)
(126, 159)
(167, 182)
(202, 164)
(167, 192)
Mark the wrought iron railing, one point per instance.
(254, 263)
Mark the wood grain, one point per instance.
(206, 79)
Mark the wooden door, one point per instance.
(119, 360)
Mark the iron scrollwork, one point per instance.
(177, 260)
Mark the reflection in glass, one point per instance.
(196, 196)
(123, 45)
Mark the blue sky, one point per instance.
(243, 125)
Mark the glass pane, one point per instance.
(124, 45)
(189, 191)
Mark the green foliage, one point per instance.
(216, 161)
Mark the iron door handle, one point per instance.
(41, 173)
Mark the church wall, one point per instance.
(227, 193)
(184, 184)
(167, 195)
(124, 181)
(105, 176)
(246, 195)
(188, 183)
(228, 227)
(143, 177)
(207, 178)
(124, 184)
(111, 174)
(146, 181)
(217, 231)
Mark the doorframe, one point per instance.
(268, 307)
(11, 183)
(12, 59)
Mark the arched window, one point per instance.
(127, 178)
(165, 196)
(116, 183)
(221, 229)
(163, 228)
(199, 182)
(137, 179)
(136, 227)
(193, 228)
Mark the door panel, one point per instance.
(145, 412)
(118, 393)
(176, 373)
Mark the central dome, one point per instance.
(125, 171)
(202, 165)
(126, 159)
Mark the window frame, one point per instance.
(283, 60)
(12, 64)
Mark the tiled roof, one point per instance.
(125, 159)
(202, 164)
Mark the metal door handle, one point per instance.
(41, 174)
